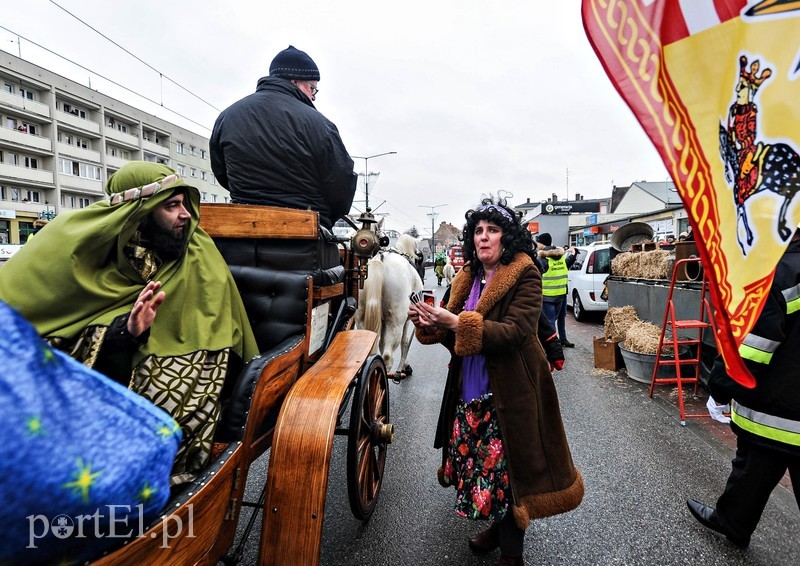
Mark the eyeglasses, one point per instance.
(314, 90)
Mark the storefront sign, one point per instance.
(570, 207)
(8, 213)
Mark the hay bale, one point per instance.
(617, 322)
(643, 337)
(656, 264)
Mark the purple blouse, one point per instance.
(474, 377)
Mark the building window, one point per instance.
(9, 88)
(192, 150)
(26, 128)
(2, 193)
(31, 163)
(11, 123)
(12, 158)
(4, 231)
(80, 142)
(213, 179)
(193, 172)
(203, 175)
(179, 148)
(78, 169)
(204, 197)
(25, 230)
(16, 195)
(122, 127)
(181, 170)
(213, 198)
(202, 154)
(33, 196)
(25, 93)
(84, 202)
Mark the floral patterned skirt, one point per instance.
(476, 465)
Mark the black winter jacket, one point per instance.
(273, 147)
(776, 332)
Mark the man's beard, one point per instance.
(164, 243)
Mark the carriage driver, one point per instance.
(134, 288)
(273, 147)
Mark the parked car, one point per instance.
(586, 280)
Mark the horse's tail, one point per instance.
(372, 296)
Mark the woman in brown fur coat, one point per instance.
(504, 446)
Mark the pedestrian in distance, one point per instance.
(274, 148)
(765, 419)
(503, 443)
(438, 268)
(555, 262)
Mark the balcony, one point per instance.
(21, 103)
(24, 139)
(123, 138)
(79, 153)
(78, 122)
(155, 148)
(80, 183)
(115, 162)
(25, 174)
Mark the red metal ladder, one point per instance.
(673, 325)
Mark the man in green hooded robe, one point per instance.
(93, 283)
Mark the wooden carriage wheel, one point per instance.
(370, 433)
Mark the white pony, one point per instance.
(384, 300)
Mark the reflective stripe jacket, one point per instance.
(771, 351)
(555, 264)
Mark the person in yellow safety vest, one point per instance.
(766, 419)
(555, 262)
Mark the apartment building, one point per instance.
(60, 141)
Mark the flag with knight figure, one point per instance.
(715, 84)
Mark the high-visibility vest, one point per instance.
(765, 425)
(554, 280)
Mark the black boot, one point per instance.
(485, 541)
(707, 516)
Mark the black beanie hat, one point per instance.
(545, 239)
(291, 63)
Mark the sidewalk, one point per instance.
(718, 436)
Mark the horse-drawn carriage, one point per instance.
(300, 292)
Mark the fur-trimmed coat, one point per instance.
(544, 480)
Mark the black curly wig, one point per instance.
(515, 238)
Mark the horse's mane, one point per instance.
(406, 245)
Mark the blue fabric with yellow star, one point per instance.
(84, 462)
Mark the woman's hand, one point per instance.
(424, 315)
(145, 307)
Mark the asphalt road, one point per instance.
(638, 463)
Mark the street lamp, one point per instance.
(47, 214)
(366, 172)
(433, 215)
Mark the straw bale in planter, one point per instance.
(643, 337)
(617, 322)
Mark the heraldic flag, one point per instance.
(715, 85)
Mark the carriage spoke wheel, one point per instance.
(369, 435)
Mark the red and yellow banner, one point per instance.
(715, 85)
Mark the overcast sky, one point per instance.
(473, 96)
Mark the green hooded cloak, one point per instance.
(74, 279)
